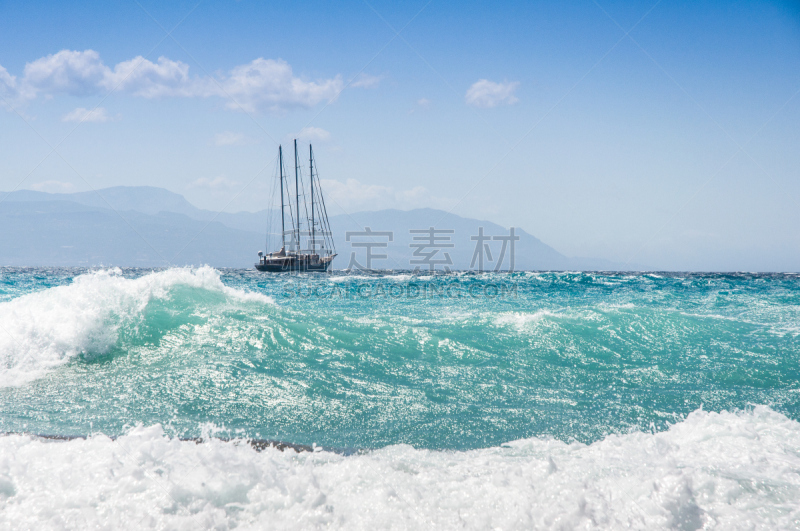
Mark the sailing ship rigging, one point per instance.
(319, 250)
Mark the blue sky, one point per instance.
(674, 146)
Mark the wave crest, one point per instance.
(42, 330)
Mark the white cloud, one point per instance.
(71, 72)
(8, 83)
(8, 89)
(423, 104)
(84, 73)
(353, 195)
(270, 84)
(144, 78)
(485, 93)
(229, 138)
(6, 79)
(366, 81)
(53, 187)
(217, 183)
(259, 85)
(311, 134)
(84, 115)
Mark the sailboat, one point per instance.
(319, 250)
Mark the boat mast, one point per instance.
(311, 171)
(283, 224)
(297, 195)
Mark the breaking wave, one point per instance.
(729, 470)
(45, 329)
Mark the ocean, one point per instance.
(525, 400)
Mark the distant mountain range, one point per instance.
(145, 226)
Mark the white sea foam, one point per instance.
(712, 471)
(521, 320)
(399, 277)
(45, 329)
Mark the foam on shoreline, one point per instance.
(718, 470)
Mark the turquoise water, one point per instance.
(447, 362)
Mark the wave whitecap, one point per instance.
(42, 330)
(712, 470)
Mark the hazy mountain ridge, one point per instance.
(149, 226)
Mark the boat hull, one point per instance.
(290, 264)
